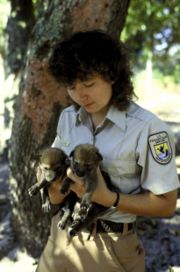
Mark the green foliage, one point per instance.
(153, 26)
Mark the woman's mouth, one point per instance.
(88, 105)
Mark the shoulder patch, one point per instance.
(160, 147)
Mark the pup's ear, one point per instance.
(40, 153)
(99, 156)
(35, 158)
(71, 154)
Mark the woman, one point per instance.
(137, 149)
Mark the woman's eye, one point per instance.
(71, 88)
(88, 85)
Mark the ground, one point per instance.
(161, 237)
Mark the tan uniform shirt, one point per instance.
(137, 149)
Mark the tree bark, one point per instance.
(41, 99)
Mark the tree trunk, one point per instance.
(41, 99)
(18, 28)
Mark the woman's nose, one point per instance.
(81, 92)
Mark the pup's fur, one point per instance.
(52, 164)
(84, 160)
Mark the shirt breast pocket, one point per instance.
(120, 168)
(124, 174)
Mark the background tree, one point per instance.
(41, 99)
(18, 28)
(152, 31)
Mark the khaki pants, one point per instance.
(107, 252)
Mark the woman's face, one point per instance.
(93, 94)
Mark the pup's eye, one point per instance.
(89, 167)
(76, 164)
(57, 168)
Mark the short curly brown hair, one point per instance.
(94, 52)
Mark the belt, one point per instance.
(109, 226)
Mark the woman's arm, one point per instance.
(146, 204)
(149, 204)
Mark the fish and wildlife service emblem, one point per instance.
(160, 147)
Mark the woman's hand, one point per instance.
(102, 195)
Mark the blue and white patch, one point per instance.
(160, 147)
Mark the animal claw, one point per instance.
(46, 207)
(32, 191)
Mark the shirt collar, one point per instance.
(114, 115)
(117, 117)
(81, 116)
